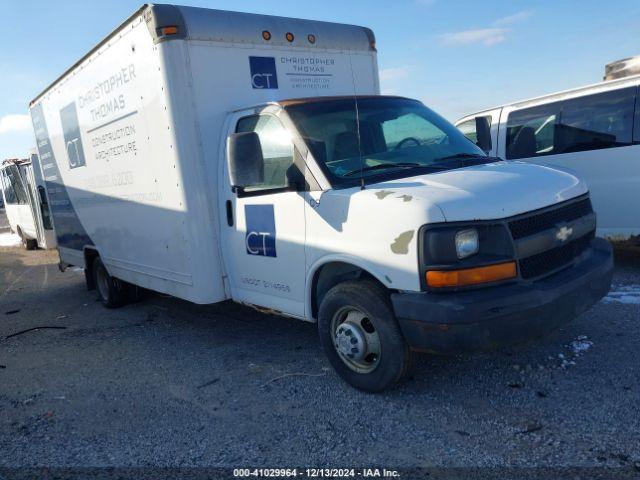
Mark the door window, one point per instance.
(531, 131)
(277, 150)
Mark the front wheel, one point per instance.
(360, 336)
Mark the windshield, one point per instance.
(397, 137)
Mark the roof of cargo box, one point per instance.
(237, 27)
(169, 22)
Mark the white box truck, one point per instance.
(213, 155)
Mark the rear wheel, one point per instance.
(30, 244)
(27, 243)
(111, 291)
(360, 336)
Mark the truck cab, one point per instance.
(348, 210)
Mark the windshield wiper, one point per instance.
(381, 166)
(461, 156)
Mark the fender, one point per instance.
(335, 257)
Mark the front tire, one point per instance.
(111, 291)
(361, 337)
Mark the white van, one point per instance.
(592, 130)
(26, 203)
(214, 155)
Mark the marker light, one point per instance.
(471, 276)
(169, 30)
(312, 38)
(266, 34)
(289, 36)
(467, 243)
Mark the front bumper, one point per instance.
(483, 319)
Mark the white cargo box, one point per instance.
(131, 137)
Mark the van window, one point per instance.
(7, 189)
(591, 122)
(531, 131)
(603, 120)
(468, 128)
(13, 188)
(277, 150)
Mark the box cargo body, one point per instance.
(130, 136)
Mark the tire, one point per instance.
(30, 244)
(27, 243)
(367, 304)
(111, 291)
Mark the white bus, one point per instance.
(26, 203)
(592, 130)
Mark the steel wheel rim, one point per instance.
(352, 329)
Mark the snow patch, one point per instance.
(627, 294)
(581, 344)
(9, 240)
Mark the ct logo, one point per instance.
(72, 137)
(261, 80)
(263, 73)
(260, 237)
(73, 152)
(257, 238)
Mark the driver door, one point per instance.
(263, 226)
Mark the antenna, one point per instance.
(355, 98)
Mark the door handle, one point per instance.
(229, 206)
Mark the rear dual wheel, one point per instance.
(112, 292)
(361, 337)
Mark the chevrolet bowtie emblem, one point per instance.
(563, 233)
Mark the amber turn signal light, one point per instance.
(471, 276)
(169, 30)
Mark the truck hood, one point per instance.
(490, 191)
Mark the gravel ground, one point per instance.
(164, 382)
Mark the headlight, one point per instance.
(467, 243)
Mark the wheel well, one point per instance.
(89, 256)
(331, 274)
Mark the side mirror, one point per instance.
(483, 134)
(246, 164)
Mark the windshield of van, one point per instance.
(394, 137)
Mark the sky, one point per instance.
(457, 56)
